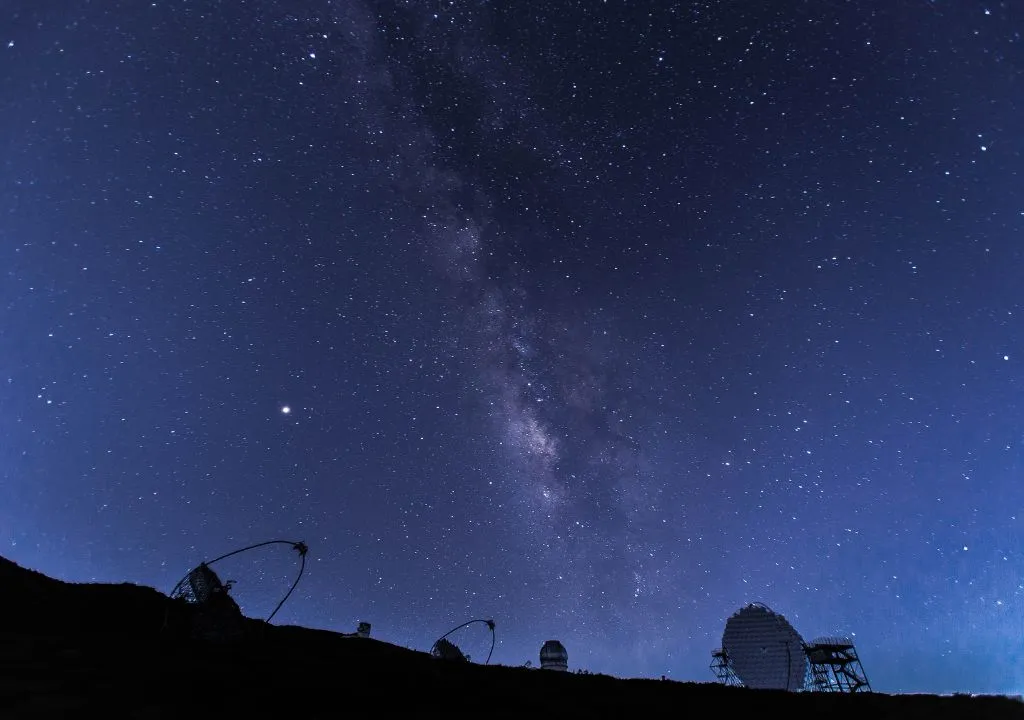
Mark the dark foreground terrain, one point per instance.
(68, 650)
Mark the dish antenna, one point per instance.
(201, 584)
(763, 649)
(447, 650)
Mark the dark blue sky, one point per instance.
(602, 319)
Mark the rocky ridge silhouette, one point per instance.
(68, 649)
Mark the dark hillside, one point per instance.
(126, 651)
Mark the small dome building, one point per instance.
(553, 656)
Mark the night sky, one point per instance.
(602, 318)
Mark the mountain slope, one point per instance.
(129, 651)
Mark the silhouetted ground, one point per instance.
(68, 650)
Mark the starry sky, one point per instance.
(602, 318)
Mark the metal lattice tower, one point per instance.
(835, 666)
(722, 669)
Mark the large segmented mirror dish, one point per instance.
(764, 650)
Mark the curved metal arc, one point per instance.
(489, 623)
(299, 546)
(302, 568)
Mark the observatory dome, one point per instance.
(553, 656)
(764, 650)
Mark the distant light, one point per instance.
(285, 410)
(1006, 357)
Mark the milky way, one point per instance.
(567, 466)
